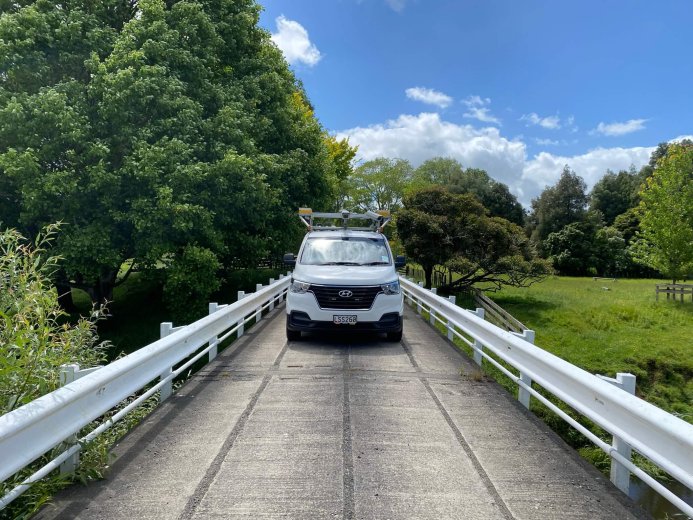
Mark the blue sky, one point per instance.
(516, 87)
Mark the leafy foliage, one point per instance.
(438, 227)
(34, 338)
(616, 193)
(665, 240)
(151, 128)
(493, 195)
(558, 206)
(378, 184)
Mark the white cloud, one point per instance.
(421, 137)
(424, 136)
(545, 168)
(550, 122)
(477, 108)
(615, 129)
(547, 142)
(430, 96)
(292, 38)
(397, 5)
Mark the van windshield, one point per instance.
(345, 251)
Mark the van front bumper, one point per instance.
(300, 321)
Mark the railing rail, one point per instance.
(664, 439)
(35, 428)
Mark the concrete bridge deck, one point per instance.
(343, 428)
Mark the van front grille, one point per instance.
(338, 297)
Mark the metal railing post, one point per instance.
(451, 335)
(523, 394)
(619, 475)
(241, 324)
(258, 312)
(166, 390)
(68, 374)
(418, 300)
(214, 342)
(431, 312)
(272, 298)
(478, 347)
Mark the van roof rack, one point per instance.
(378, 219)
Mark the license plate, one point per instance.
(344, 319)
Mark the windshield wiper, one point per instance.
(376, 263)
(341, 263)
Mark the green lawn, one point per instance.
(607, 327)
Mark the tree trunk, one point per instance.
(428, 273)
(102, 290)
(64, 289)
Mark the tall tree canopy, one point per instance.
(616, 193)
(558, 205)
(378, 184)
(438, 227)
(163, 132)
(493, 195)
(665, 239)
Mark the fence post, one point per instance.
(214, 342)
(451, 335)
(418, 300)
(167, 389)
(271, 303)
(478, 347)
(523, 394)
(431, 312)
(68, 375)
(241, 324)
(258, 312)
(620, 475)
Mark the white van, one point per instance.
(344, 278)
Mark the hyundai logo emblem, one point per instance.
(346, 294)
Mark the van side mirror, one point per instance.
(400, 261)
(289, 259)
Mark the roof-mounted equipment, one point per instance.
(377, 219)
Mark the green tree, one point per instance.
(665, 239)
(616, 193)
(442, 228)
(447, 172)
(184, 128)
(378, 184)
(495, 196)
(558, 205)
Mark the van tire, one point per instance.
(395, 335)
(293, 335)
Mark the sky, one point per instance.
(519, 88)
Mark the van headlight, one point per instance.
(390, 288)
(299, 287)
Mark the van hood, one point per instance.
(345, 274)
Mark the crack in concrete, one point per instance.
(486, 480)
(215, 466)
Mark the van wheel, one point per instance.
(293, 335)
(395, 336)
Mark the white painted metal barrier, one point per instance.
(662, 438)
(33, 429)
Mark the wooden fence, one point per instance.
(674, 289)
(496, 314)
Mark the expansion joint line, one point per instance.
(460, 438)
(347, 452)
(215, 466)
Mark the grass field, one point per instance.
(607, 327)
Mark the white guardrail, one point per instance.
(35, 428)
(662, 438)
